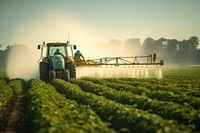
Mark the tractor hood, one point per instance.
(58, 62)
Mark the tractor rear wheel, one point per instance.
(44, 72)
(72, 69)
(66, 74)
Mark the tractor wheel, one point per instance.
(72, 69)
(66, 74)
(51, 75)
(44, 72)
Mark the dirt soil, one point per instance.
(14, 119)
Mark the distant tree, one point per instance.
(183, 51)
(193, 43)
(113, 44)
(171, 50)
(8, 46)
(148, 45)
(134, 42)
(161, 45)
(184, 47)
(188, 49)
(132, 46)
(193, 55)
(111, 47)
(154, 46)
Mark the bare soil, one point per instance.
(14, 119)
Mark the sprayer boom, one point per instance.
(130, 60)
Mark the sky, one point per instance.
(90, 22)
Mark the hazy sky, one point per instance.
(94, 21)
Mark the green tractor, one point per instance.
(58, 62)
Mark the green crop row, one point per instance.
(17, 85)
(52, 112)
(190, 88)
(6, 94)
(165, 84)
(153, 94)
(3, 82)
(168, 110)
(122, 117)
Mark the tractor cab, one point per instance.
(57, 55)
(57, 50)
(58, 62)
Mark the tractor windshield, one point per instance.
(57, 50)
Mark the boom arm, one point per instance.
(130, 60)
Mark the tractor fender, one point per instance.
(69, 59)
(45, 60)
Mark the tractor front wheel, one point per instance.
(44, 72)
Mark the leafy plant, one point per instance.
(121, 117)
(5, 95)
(52, 112)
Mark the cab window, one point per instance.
(57, 49)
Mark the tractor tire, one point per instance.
(44, 72)
(72, 69)
(66, 75)
(51, 75)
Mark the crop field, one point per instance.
(103, 105)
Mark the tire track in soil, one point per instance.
(17, 121)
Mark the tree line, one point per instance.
(170, 50)
(173, 50)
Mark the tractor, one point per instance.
(58, 61)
